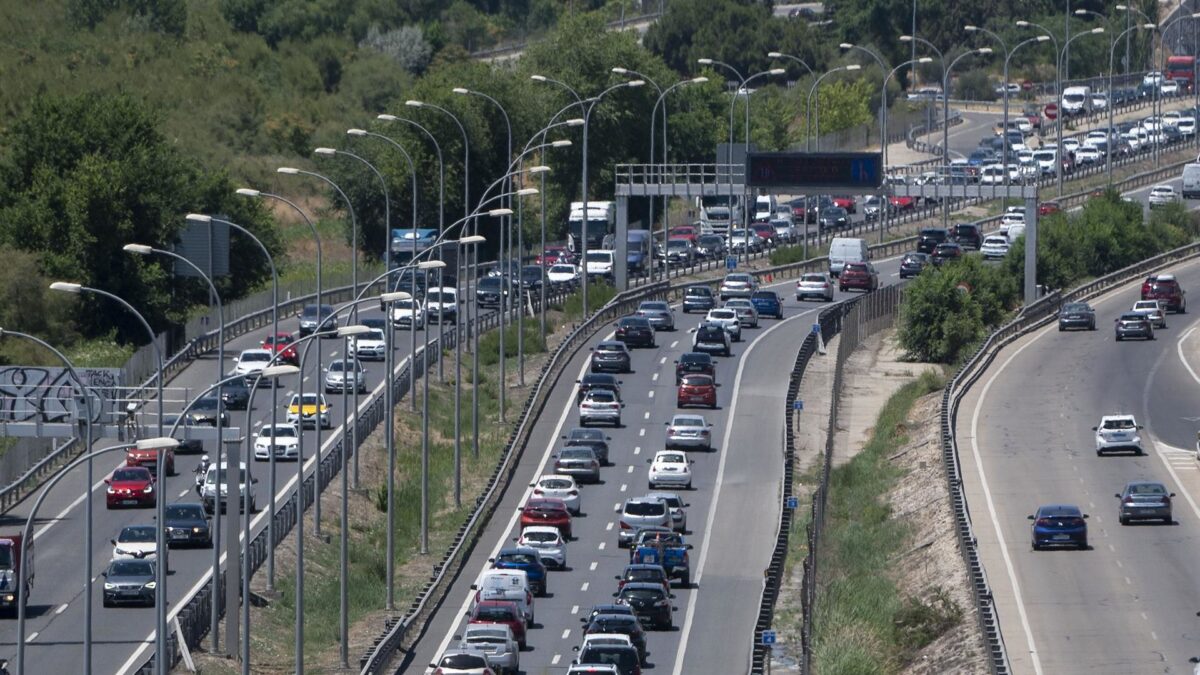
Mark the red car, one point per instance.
(846, 202)
(283, 344)
(903, 203)
(1046, 208)
(697, 389)
(130, 486)
(688, 232)
(861, 276)
(1165, 287)
(549, 513)
(766, 232)
(149, 459)
(554, 255)
(504, 612)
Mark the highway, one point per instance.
(1129, 604)
(734, 499)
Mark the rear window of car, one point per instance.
(693, 357)
(645, 508)
(856, 267)
(1147, 489)
(818, 278)
(698, 291)
(933, 234)
(697, 380)
(713, 334)
(764, 295)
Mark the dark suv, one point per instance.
(698, 298)
(592, 381)
(968, 236)
(860, 276)
(1165, 287)
(930, 237)
(635, 331)
(695, 362)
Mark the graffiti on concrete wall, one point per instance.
(39, 394)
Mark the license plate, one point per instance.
(129, 502)
(1061, 537)
(179, 535)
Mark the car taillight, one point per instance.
(1043, 522)
(538, 491)
(625, 525)
(573, 493)
(528, 597)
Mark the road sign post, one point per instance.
(793, 503)
(1051, 111)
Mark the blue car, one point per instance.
(767, 303)
(523, 558)
(1059, 525)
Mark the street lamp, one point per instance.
(1112, 50)
(816, 109)
(469, 240)
(883, 106)
(588, 105)
(666, 200)
(946, 128)
(745, 191)
(88, 440)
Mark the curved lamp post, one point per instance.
(666, 211)
(946, 127)
(1111, 53)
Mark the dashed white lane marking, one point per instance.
(624, 487)
(62, 608)
(32, 637)
(584, 587)
(662, 360)
(1128, 582)
(1144, 617)
(1154, 635)
(574, 609)
(647, 416)
(654, 377)
(673, 344)
(637, 450)
(609, 527)
(601, 546)
(630, 469)
(642, 432)
(184, 493)
(567, 632)
(554, 661)
(1119, 564)
(592, 567)
(651, 392)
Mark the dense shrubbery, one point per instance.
(948, 309)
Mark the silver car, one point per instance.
(689, 431)
(738, 285)
(1144, 500)
(496, 641)
(639, 513)
(600, 405)
(347, 375)
(727, 319)
(815, 285)
(678, 509)
(746, 312)
(660, 314)
(1153, 310)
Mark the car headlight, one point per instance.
(198, 530)
(149, 489)
(111, 491)
(108, 586)
(150, 585)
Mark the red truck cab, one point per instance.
(10, 566)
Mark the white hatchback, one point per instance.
(251, 362)
(670, 468)
(559, 486)
(1161, 195)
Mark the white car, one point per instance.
(994, 247)
(136, 542)
(344, 375)
(563, 275)
(1169, 88)
(992, 174)
(746, 311)
(1118, 432)
(689, 432)
(370, 346)
(1172, 118)
(1161, 195)
(1010, 219)
(1187, 125)
(284, 438)
(251, 362)
(1088, 154)
(1133, 138)
(558, 486)
(727, 319)
(738, 285)
(597, 639)
(1153, 310)
(408, 314)
(548, 541)
(1099, 101)
(670, 468)
(678, 509)
(815, 285)
(1070, 144)
(600, 405)
(1047, 159)
(497, 644)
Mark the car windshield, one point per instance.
(407, 303)
(601, 396)
(1147, 489)
(463, 662)
(182, 511)
(586, 434)
(518, 558)
(221, 476)
(678, 243)
(739, 278)
(609, 347)
(690, 421)
(436, 296)
(140, 534)
(697, 381)
(248, 357)
(340, 365)
(305, 399)
(634, 322)
(599, 256)
(655, 508)
(671, 458)
(130, 568)
(654, 307)
(373, 334)
(693, 357)
(1133, 317)
(490, 283)
(280, 431)
(642, 593)
(698, 290)
(577, 453)
(1124, 423)
(562, 269)
(813, 278)
(723, 314)
(131, 474)
(555, 484)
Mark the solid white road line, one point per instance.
(685, 632)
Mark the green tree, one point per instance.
(87, 175)
(843, 104)
(947, 309)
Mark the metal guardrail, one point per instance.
(1030, 319)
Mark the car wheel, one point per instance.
(1123, 520)
(1060, 328)
(107, 602)
(1083, 545)
(1167, 520)
(1036, 546)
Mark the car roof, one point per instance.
(1059, 510)
(644, 566)
(687, 416)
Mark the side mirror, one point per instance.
(608, 438)
(667, 424)
(1086, 515)
(1118, 495)
(614, 595)
(530, 485)
(671, 595)
(1141, 426)
(107, 481)
(113, 542)
(1095, 428)
(474, 587)
(491, 560)
(253, 481)
(1172, 494)
(103, 574)
(1030, 517)
(617, 577)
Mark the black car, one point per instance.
(613, 609)
(374, 322)
(414, 282)
(190, 445)
(711, 246)
(187, 525)
(833, 218)
(129, 582)
(698, 298)
(635, 331)
(592, 381)
(204, 412)
(695, 362)
(595, 439)
(930, 237)
(650, 602)
(681, 252)
(946, 252)
(622, 624)
(611, 356)
(1134, 325)
(913, 263)
(1076, 315)
(968, 236)
(532, 277)
(236, 394)
(712, 338)
(491, 291)
(626, 658)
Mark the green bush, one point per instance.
(599, 294)
(489, 342)
(785, 255)
(947, 309)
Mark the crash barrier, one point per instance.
(854, 320)
(1031, 318)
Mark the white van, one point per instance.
(765, 207)
(511, 585)
(844, 250)
(1191, 181)
(599, 263)
(1015, 230)
(1077, 100)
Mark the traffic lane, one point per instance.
(1171, 398)
(732, 576)
(1118, 604)
(443, 627)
